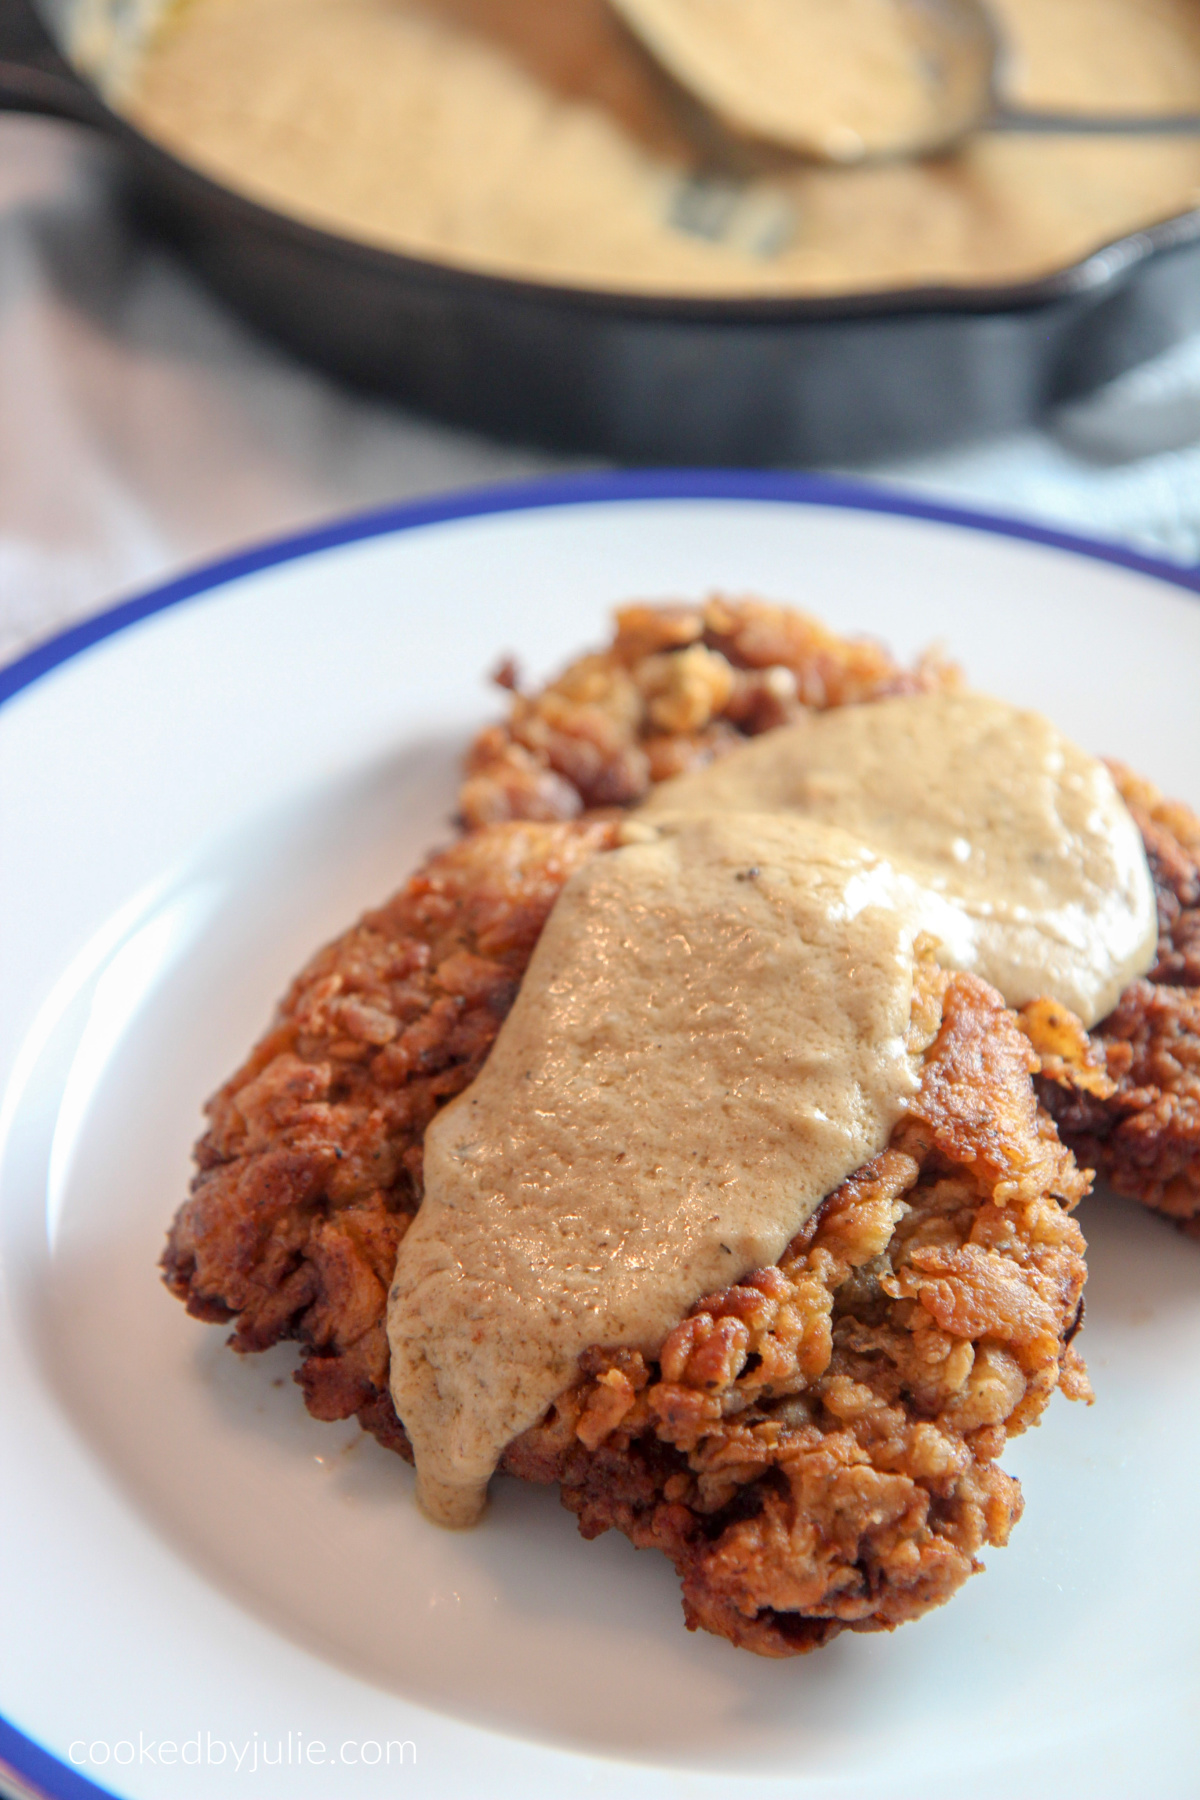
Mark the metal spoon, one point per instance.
(898, 78)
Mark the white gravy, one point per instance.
(1033, 872)
(710, 1037)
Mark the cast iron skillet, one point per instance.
(653, 380)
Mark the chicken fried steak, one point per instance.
(815, 1448)
(679, 686)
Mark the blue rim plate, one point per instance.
(33, 1769)
(566, 490)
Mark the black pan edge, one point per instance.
(1103, 268)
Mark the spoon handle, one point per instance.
(1016, 118)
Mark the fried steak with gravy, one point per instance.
(815, 1448)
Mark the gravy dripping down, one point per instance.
(711, 1035)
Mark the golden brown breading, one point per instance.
(678, 686)
(311, 1166)
(1143, 1133)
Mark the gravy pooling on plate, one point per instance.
(535, 138)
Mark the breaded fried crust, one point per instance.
(1142, 1132)
(678, 686)
(311, 1166)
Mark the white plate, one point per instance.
(194, 796)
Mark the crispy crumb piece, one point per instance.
(678, 686)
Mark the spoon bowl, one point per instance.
(855, 80)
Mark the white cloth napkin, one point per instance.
(1123, 464)
(143, 428)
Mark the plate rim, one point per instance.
(597, 488)
(31, 1772)
(34, 1770)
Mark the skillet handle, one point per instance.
(34, 75)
